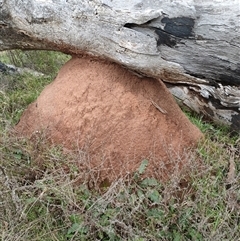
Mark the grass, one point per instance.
(46, 62)
(46, 194)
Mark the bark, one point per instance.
(192, 45)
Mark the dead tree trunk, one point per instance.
(194, 46)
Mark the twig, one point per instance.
(232, 171)
(158, 107)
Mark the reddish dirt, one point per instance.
(106, 110)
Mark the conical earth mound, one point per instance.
(116, 116)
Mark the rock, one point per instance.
(7, 69)
(119, 118)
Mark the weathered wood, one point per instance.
(193, 45)
(205, 100)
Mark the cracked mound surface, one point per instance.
(117, 117)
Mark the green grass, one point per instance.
(19, 92)
(46, 62)
(46, 194)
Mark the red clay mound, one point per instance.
(118, 117)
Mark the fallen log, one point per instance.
(192, 45)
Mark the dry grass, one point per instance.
(49, 195)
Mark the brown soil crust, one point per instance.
(115, 116)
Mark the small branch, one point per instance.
(232, 171)
(158, 107)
